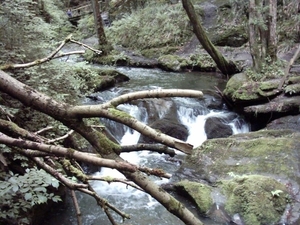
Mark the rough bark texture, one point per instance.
(262, 32)
(226, 67)
(99, 26)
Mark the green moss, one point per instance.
(174, 205)
(252, 197)
(107, 146)
(199, 193)
(74, 171)
(268, 152)
(119, 114)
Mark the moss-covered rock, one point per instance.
(199, 193)
(198, 62)
(234, 36)
(263, 164)
(259, 199)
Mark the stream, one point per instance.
(143, 209)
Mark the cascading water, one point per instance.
(144, 210)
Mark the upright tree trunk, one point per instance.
(262, 32)
(272, 44)
(227, 68)
(99, 27)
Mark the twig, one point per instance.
(43, 130)
(103, 203)
(151, 147)
(77, 208)
(112, 179)
(71, 185)
(86, 46)
(223, 97)
(38, 61)
(62, 137)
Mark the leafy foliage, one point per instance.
(19, 193)
(151, 27)
(269, 71)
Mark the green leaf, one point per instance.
(40, 189)
(28, 196)
(15, 187)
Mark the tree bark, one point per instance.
(226, 67)
(102, 41)
(272, 39)
(262, 32)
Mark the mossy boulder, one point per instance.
(258, 199)
(234, 36)
(250, 170)
(181, 62)
(199, 193)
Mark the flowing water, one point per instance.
(143, 209)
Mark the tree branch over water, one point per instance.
(107, 153)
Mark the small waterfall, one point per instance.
(145, 210)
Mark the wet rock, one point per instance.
(169, 127)
(287, 122)
(216, 127)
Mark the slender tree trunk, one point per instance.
(226, 67)
(103, 44)
(272, 44)
(262, 32)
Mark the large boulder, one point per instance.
(263, 99)
(167, 126)
(253, 175)
(216, 127)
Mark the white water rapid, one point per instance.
(143, 209)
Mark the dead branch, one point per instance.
(288, 68)
(53, 55)
(155, 172)
(38, 61)
(157, 93)
(67, 152)
(86, 46)
(14, 130)
(104, 204)
(77, 208)
(71, 185)
(61, 138)
(161, 149)
(113, 179)
(44, 130)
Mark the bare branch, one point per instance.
(162, 149)
(57, 175)
(86, 46)
(44, 130)
(157, 93)
(62, 137)
(155, 172)
(103, 203)
(112, 179)
(38, 61)
(14, 130)
(67, 152)
(77, 208)
(288, 68)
